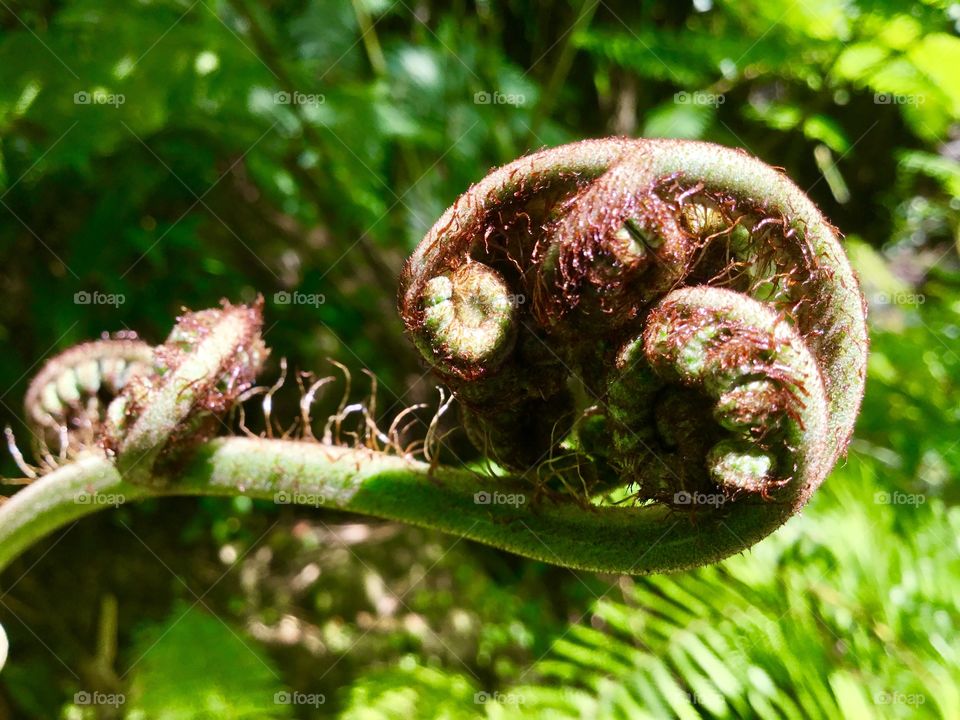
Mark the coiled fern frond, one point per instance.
(632, 327)
(676, 315)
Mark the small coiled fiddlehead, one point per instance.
(675, 321)
(67, 403)
(210, 358)
(141, 405)
(692, 297)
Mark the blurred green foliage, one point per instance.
(173, 152)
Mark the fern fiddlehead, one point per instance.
(68, 402)
(210, 358)
(632, 328)
(662, 276)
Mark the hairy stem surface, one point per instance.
(635, 540)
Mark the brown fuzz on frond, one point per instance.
(697, 299)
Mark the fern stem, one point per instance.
(634, 540)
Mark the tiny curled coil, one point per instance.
(141, 404)
(675, 316)
(67, 405)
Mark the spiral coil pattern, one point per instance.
(687, 321)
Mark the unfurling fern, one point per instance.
(632, 328)
(702, 307)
